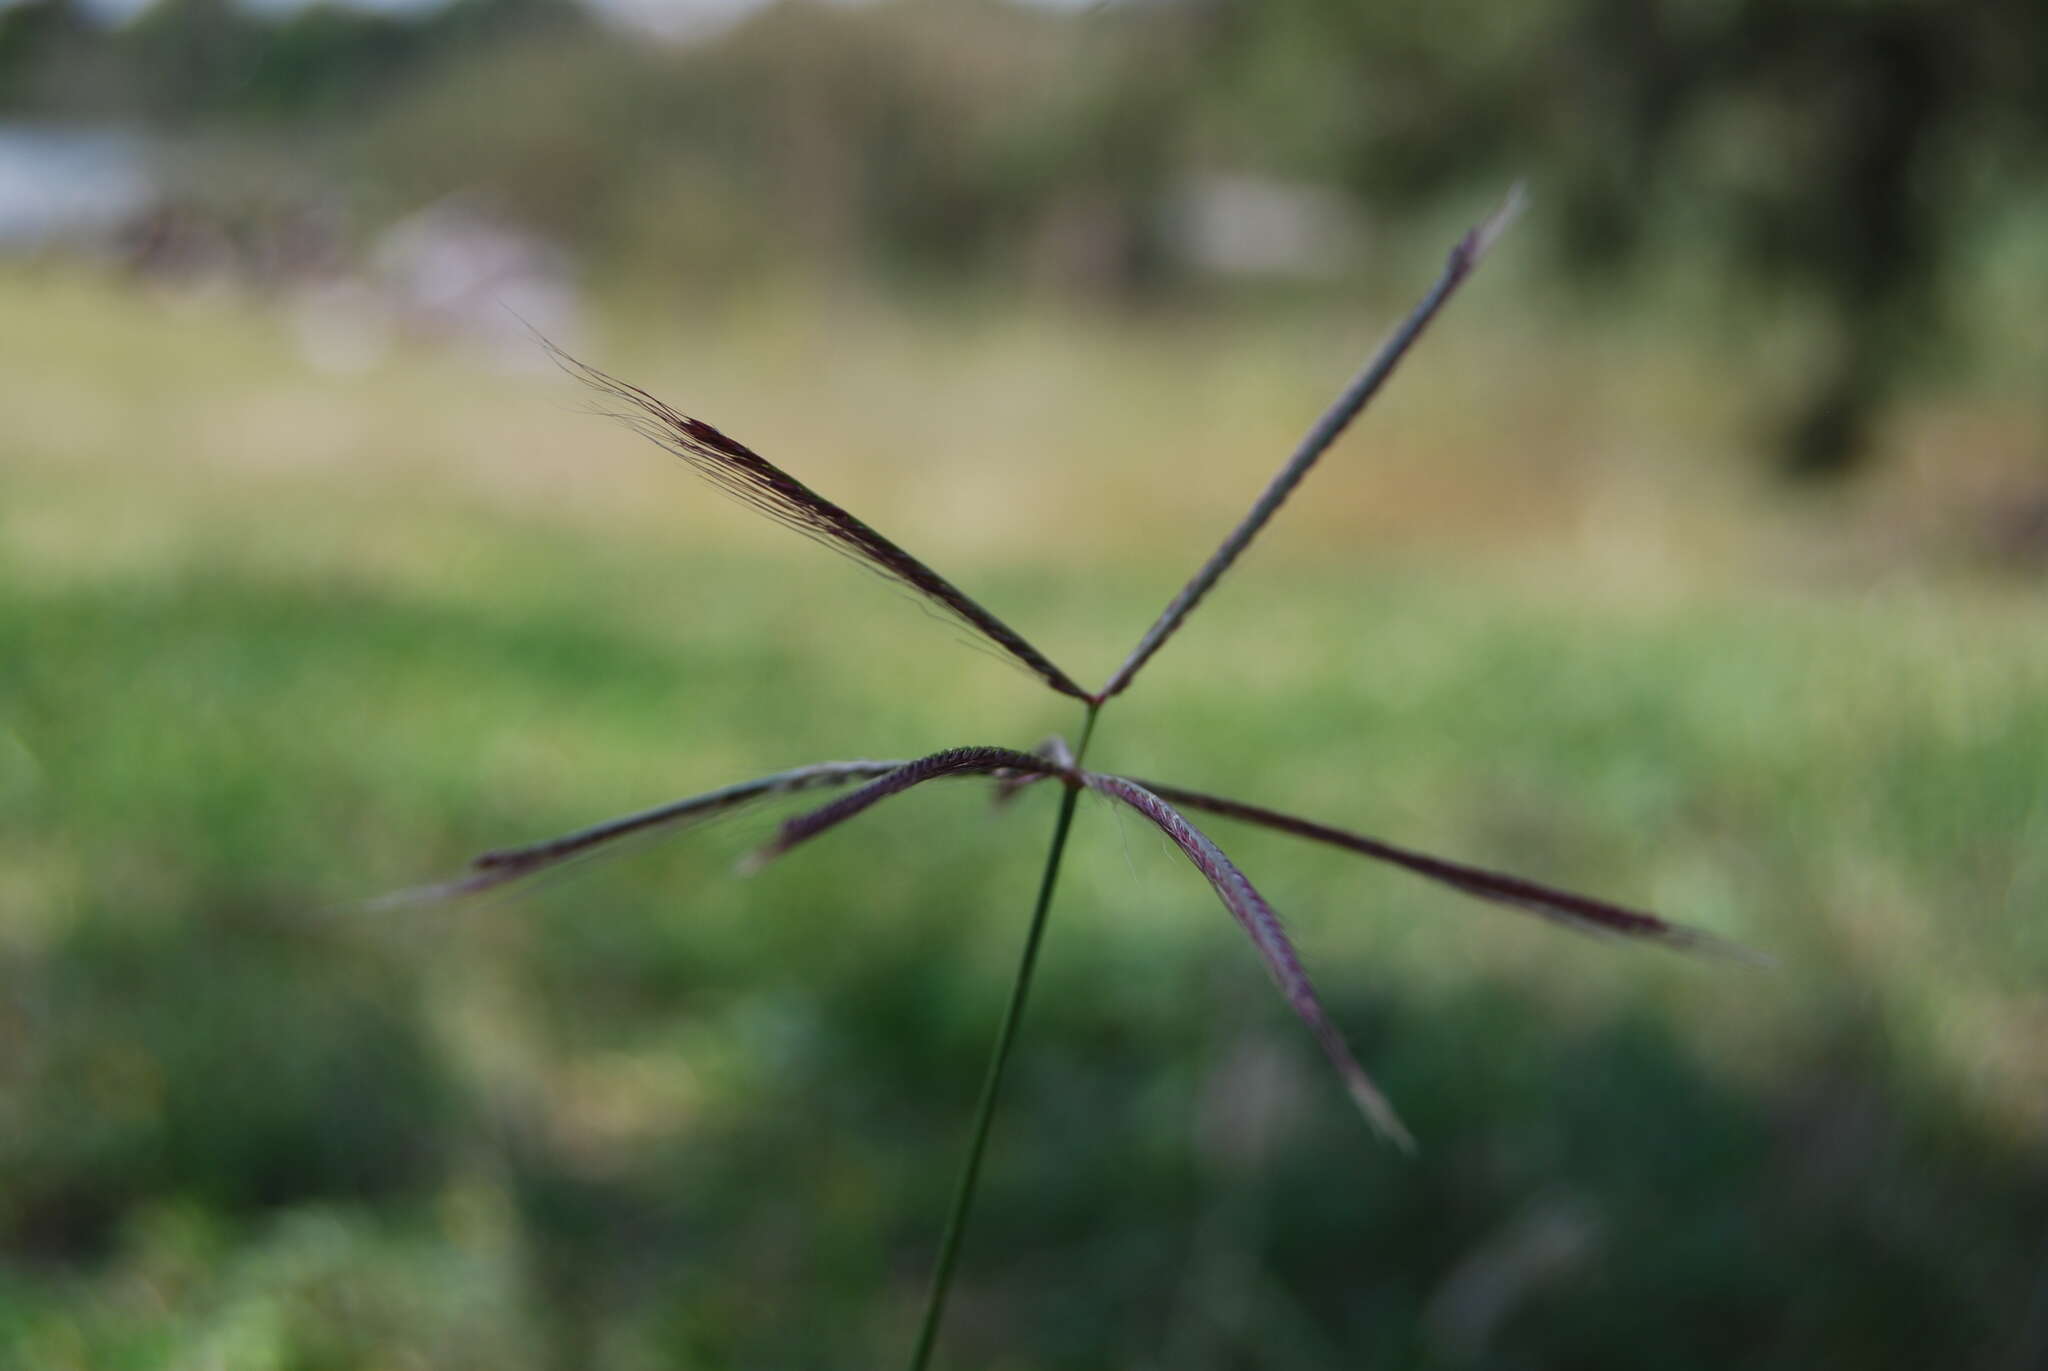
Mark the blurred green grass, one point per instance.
(272, 642)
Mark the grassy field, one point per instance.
(272, 642)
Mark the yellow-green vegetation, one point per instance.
(272, 642)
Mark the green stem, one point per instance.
(1006, 1036)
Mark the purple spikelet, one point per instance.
(754, 481)
(1581, 912)
(957, 761)
(1258, 920)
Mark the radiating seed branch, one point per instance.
(1581, 912)
(756, 482)
(957, 761)
(515, 863)
(1258, 920)
(1464, 257)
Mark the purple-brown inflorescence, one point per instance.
(754, 481)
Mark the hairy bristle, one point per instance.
(754, 481)
(1258, 920)
(1464, 257)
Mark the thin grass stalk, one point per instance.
(1463, 258)
(999, 1060)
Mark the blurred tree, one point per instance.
(53, 60)
(181, 61)
(1843, 152)
(923, 143)
(1838, 158)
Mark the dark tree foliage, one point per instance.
(1839, 152)
(180, 61)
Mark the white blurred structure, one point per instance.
(1262, 226)
(457, 273)
(59, 184)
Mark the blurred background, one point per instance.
(1695, 559)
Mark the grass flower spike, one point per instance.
(753, 480)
